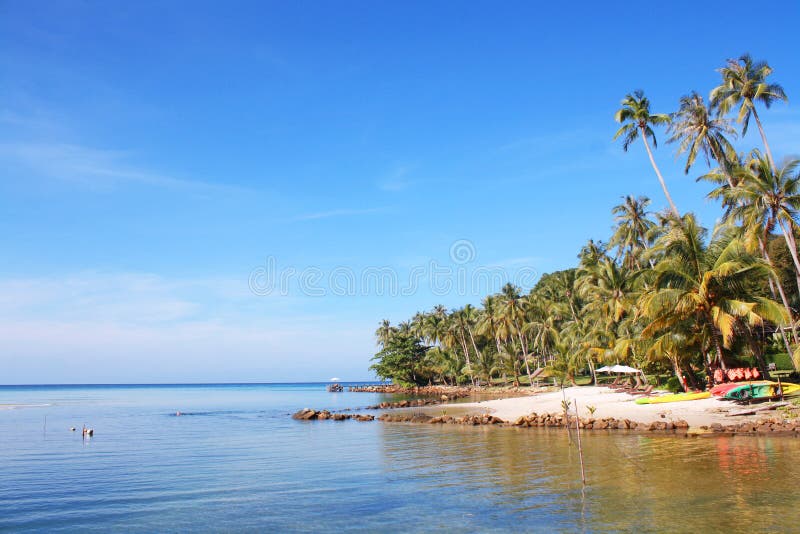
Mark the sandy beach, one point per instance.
(609, 403)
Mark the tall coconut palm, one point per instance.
(697, 132)
(637, 121)
(744, 83)
(488, 321)
(459, 330)
(767, 198)
(707, 285)
(513, 314)
(631, 236)
(471, 316)
(611, 293)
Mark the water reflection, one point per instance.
(641, 482)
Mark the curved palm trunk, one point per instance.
(791, 244)
(775, 283)
(475, 346)
(465, 348)
(658, 173)
(717, 345)
(764, 139)
(524, 347)
(679, 373)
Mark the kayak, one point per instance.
(762, 391)
(678, 397)
(721, 389)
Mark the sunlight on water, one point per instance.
(236, 461)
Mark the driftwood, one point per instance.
(753, 411)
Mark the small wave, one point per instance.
(16, 406)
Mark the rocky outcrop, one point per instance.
(608, 423)
(416, 402)
(473, 420)
(772, 426)
(761, 426)
(307, 414)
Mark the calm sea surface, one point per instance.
(236, 461)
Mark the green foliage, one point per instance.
(781, 360)
(403, 361)
(674, 385)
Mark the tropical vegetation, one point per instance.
(663, 293)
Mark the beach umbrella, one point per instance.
(604, 369)
(624, 369)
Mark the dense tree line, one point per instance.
(663, 292)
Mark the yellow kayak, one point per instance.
(678, 397)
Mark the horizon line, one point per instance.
(190, 383)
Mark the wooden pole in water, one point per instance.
(580, 446)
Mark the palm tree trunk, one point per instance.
(466, 356)
(764, 138)
(775, 283)
(717, 345)
(477, 352)
(679, 373)
(658, 173)
(524, 348)
(788, 236)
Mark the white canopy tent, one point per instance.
(622, 369)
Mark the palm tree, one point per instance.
(744, 83)
(513, 314)
(697, 132)
(707, 285)
(633, 228)
(767, 198)
(470, 316)
(384, 332)
(637, 122)
(458, 329)
(487, 324)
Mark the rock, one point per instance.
(716, 427)
(305, 414)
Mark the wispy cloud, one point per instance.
(336, 213)
(88, 166)
(396, 180)
(122, 327)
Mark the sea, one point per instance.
(235, 461)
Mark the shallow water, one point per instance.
(237, 461)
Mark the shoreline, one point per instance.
(612, 410)
(608, 404)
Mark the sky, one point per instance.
(240, 191)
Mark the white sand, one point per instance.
(609, 403)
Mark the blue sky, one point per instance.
(158, 157)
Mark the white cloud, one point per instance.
(91, 167)
(337, 213)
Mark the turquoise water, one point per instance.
(236, 461)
